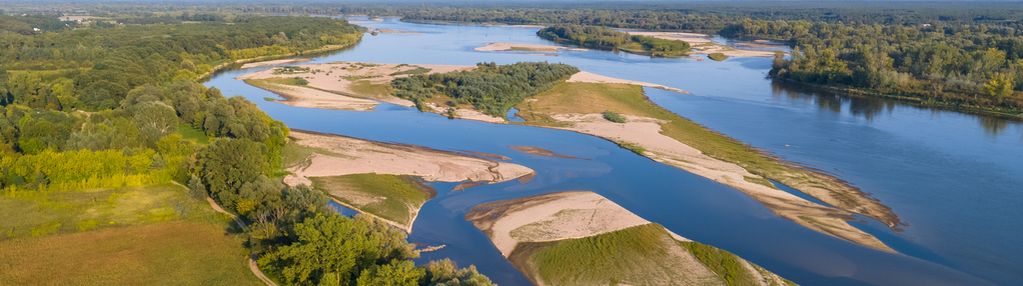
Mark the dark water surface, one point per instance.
(954, 178)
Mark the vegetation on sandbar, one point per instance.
(489, 88)
(603, 38)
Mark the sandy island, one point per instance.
(505, 47)
(646, 133)
(701, 44)
(346, 155)
(344, 85)
(579, 214)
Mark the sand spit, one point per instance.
(314, 98)
(274, 62)
(464, 113)
(346, 155)
(589, 77)
(702, 44)
(505, 47)
(646, 133)
(541, 152)
(550, 217)
(353, 79)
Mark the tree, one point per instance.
(334, 250)
(999, 86)
(445, 272)
(154, 119)
(395, 273)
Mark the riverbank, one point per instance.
(354, 170)
(665, 137)
(913, 100)
(582, 238)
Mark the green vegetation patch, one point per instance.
(188, 132)
(369, 89)
(415, 71)
(640, 255)
(489, 88)
(613, 117)
(394, 198)
(172, 253)
(717, 56)
(30, 214)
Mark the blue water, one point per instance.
(954, 178)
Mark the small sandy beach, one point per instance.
(346, 155)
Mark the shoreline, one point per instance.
(824, 219)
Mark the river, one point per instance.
(954, 178)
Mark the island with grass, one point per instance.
(582, 238)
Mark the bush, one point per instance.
(717, 56)
(614, 117)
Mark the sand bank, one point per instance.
(702, 44)
(314, 98)
(541, 152)
(345, 155)
(505, 46)
(354, 80)
(646, 133)
(589, 77)
(550, 217)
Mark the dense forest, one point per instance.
(964, 57)
(603, 38)
(489, 88)
(115, 105)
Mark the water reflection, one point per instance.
(869, 107)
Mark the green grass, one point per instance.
(726, 265)
(154, 235)
(190, 133)
(640, 255)
(717, 56)
(366, 88)
(415, 71)
(390, 197)
(171, 253)
(33, 214)
(613, 117)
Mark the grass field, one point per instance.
(368, 89)
(154, 235)
(190, 133)
(631, 100)
(170, 253)
(640, 255)
(394, 198)
(32, 214)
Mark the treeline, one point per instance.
(490, 88)
(603, 38)
(943, 54)
(109, 107)
(94, 68)
(975, 67)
